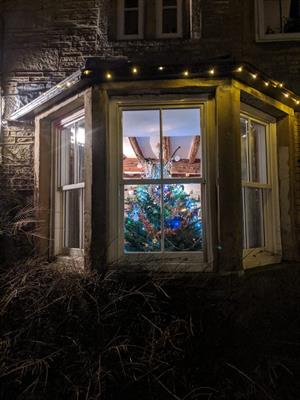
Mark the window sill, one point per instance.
(278, 37)
(259, 257)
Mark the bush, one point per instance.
(71, 335)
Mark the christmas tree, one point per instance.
(144, 220)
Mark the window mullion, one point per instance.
(162, 238)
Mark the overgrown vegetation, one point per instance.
(71, 335)
(17, 226)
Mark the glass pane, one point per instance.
(169, 21)
(131, 3)
(141, 144)
(67, 169)
(169, 3)
(142, 218)
(253, 218)
(80, 140)
(73, 219)
(181, 142)
(281, 16)
(244, 141)
(257, 150)
(131, 22)
(182, 217)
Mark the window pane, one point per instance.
(131, 22)
(68, 155)
(244, 147)
(142, 218)
(181, 142)
(80, 141)
(257, 145)
(253, 218)
(182, 217)
(169, 20)
(169, 3)
(73, 218)
(141, 144)
(281, 16)
(131, 3)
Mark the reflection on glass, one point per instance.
(182, 217)
(253, 218)
(142, 218)
(257, 144)
(72, 142)
(244, 147)
(73, 218)
(181, 142)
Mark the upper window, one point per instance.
(131, 19)
(278, 20)
(169, 18)
(139, 19)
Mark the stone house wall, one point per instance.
(43, 41)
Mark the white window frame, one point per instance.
(59, 190)
(169, 261)
(271, 252)
(121, 21)
(159, 21)
(261, 36)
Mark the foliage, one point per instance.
(66, 334)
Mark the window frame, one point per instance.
(159, 21)
(59, 190)
(187, 261)
(121, 21)
(271, 251)
(261, 36)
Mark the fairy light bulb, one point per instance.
(266, 83)
(186, 73)
(87, 72)
(286, 95)
(280, 85)
(211, 71)
(108, 75)
(135, 70)
(254, 76)
(240, 69)
(160, 68)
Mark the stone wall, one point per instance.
(297, 175)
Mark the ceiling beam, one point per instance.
(194, 149)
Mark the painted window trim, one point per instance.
(159, 21)
(261, 36)
(272, 252)
(186, 261)
(121, 19)
(56, 202)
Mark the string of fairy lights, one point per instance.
(239, 70)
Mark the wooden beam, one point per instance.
(181, 167)
(194, 149)
(166, 148)
(136, 148)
